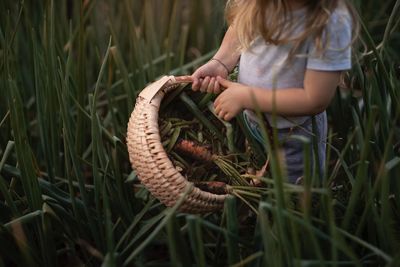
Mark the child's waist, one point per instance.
(283, 122)
(279, 122)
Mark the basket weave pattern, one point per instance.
(150, 160)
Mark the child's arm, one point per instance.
(204, 78)
(319, 89)
(228, 52)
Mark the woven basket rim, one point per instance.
(149, 158)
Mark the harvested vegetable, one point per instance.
(205, 150)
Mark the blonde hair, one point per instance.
(272, 19)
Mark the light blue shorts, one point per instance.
(293, 146)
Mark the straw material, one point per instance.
(151, 162)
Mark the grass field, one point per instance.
(69, 75)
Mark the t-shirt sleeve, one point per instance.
(336, 54)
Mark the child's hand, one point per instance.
(232, 100)
(204, 78)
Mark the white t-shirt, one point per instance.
(266, 66)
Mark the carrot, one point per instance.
(215, 187)
(194, 150)
(203, 153)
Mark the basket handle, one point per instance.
(152, 89)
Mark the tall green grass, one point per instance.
(70, 72)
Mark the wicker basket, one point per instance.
(150, 160)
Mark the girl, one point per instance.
(291, 54)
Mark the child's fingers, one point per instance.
(225, 83)
(204, 84)
(218, 111)
(227, 117)
(211, 85)
(222, 114)
(196, 84)
(217, 88)
(216, 102)
(217, 108)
